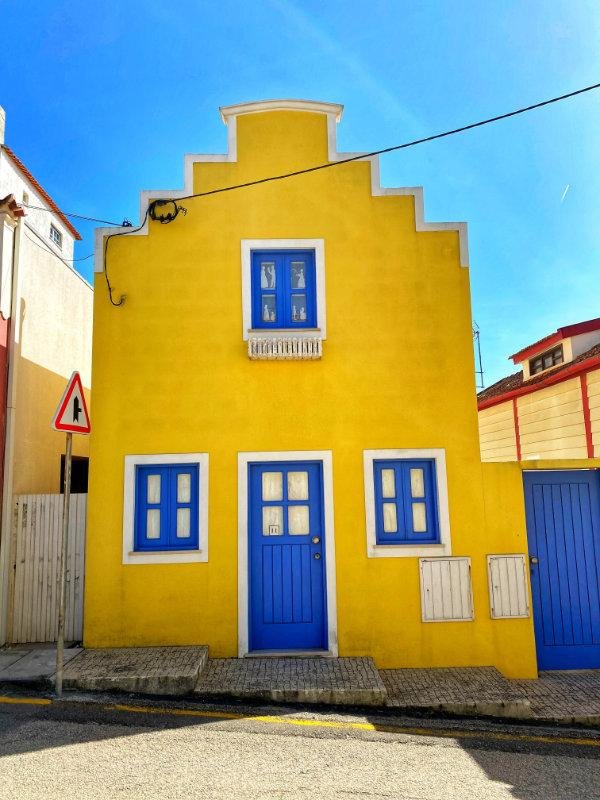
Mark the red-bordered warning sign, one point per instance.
(72, 414)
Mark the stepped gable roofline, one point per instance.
(40, 190)
(258, 106)
(333, 113)
(514, 385)
(553, 338)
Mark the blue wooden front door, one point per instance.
(563, 531)
(287, 586)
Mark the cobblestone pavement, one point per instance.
(150, 670)
(563, 695)
(324, 680)
(482, 689)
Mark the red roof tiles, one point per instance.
(505, 387)
(25, 172)
(552, 338)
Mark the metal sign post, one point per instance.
(60, 643)
(71, 416)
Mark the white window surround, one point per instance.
(248, 245)
(374, 550)
(244, 459)
(165, 556)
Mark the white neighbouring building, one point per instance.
(45, 334)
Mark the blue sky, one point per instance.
(104, 98)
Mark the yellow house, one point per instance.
(285, 453)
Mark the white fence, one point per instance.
(34, 576)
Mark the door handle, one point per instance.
(533, 560)
(315, 540)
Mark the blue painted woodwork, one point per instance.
(563, 531)
(287, 580)
(403, 500)
(284, 287)
(167, 505)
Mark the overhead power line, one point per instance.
(170, 216)
(70, 214)
(58, 255)
(412, 143)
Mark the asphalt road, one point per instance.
(105, 749)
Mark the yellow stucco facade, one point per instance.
(172, 375)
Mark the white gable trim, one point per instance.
(333, 111)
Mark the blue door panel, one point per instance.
(287, 586)
(563, 531)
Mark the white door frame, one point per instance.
(244, 459)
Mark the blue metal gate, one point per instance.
(563, 531)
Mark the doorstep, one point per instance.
(169, 671)
(464, 691)
(330, 681)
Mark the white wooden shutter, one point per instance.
(507, 582)
(446, 593)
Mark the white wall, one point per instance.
(12, 182)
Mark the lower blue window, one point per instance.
(166, 507)
(406, 502)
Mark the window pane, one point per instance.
(417, 483)
(269, 312)
(298, 275)
(153, 488)
(298, 307)
(272, 486)
(547, 361)
(153, 523)
(272, 520)
(183, 523)
(419, 517)
(267, 275)
(297, 485)
(390, 524)
(184, 487)
(388, 483)
(298, 520)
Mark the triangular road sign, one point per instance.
(72, 414)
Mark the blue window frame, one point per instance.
(166, 507)
(284, 289)
(406, 509)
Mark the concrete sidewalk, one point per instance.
(568, 698)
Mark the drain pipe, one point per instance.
(6, 555)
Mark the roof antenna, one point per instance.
(478, 361)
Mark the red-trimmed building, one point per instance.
(550, 408)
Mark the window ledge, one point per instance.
(165, 557)
(408, 550)
(284, 345)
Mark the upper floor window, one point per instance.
(55, 236)
(284, 289)
(546, 360)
